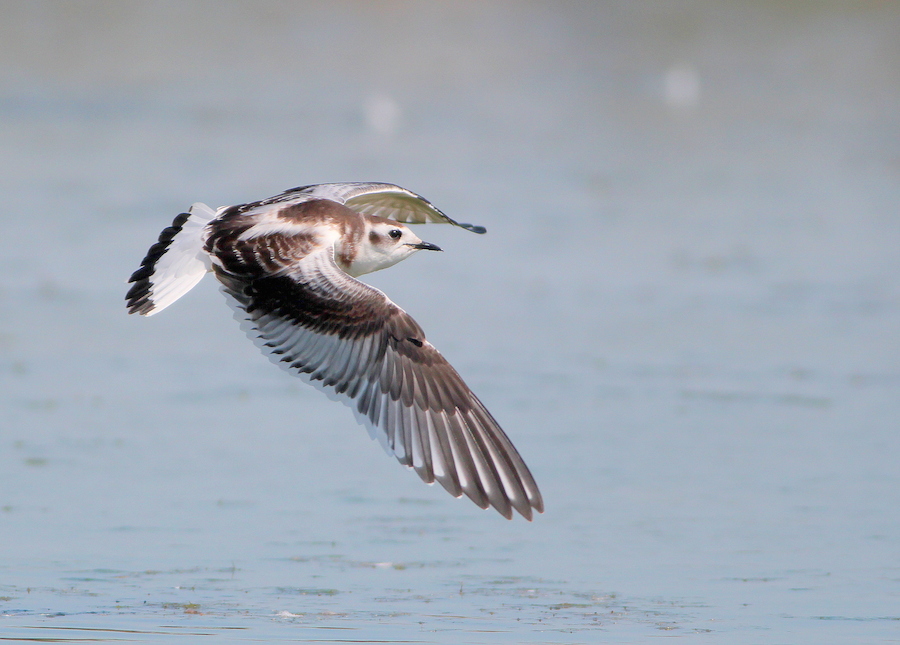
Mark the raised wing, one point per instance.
(173, 265)
(385, 200)
(349, 340)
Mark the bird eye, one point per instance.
(395, 233)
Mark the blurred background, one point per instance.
(685, 313)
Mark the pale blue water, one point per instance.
(685, 313)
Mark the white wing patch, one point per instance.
(174, 265)
(269, 223)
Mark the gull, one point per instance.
(288, 267)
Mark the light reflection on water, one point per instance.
(684, 313)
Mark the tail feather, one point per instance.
(173, 265)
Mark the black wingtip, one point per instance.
(139, 299)
(474, 228)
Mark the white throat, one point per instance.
(375, 253)
(369, 259)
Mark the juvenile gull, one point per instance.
(288, 266)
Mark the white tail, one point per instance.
(173, 265)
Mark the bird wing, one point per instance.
(172, 266)
(385, 200)
(351, 341)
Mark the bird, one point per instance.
(288, 266)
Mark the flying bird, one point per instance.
(288, 267)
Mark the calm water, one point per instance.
(685, 313)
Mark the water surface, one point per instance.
(685, 314)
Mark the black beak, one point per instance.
(426, 246)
